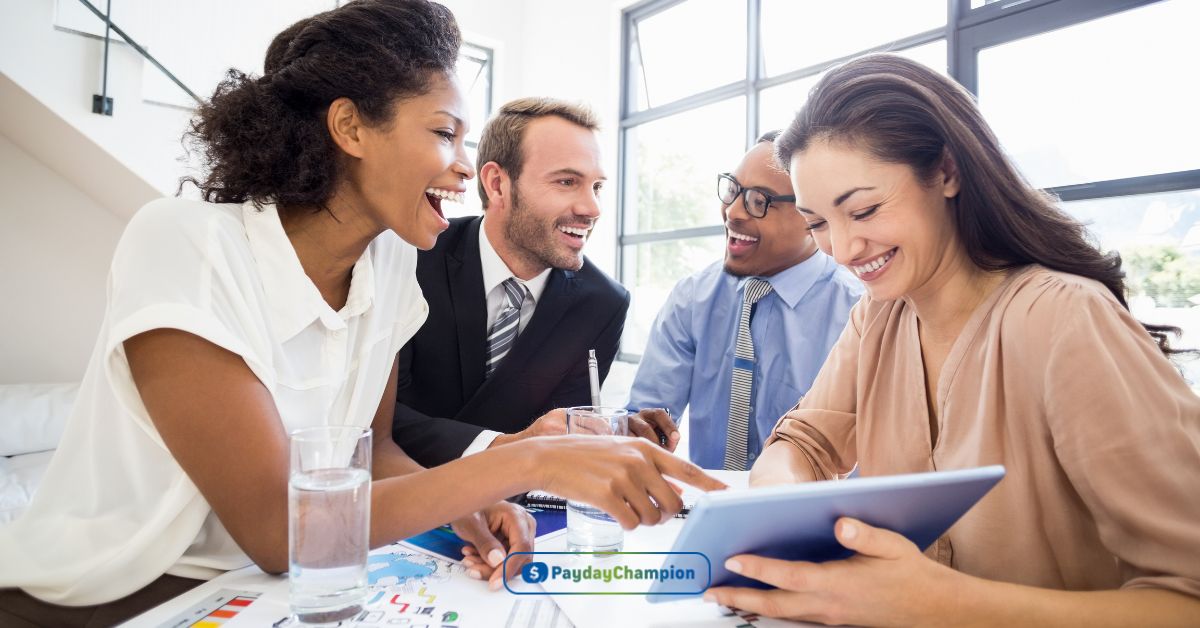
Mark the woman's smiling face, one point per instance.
(876, 218)
(409, 165)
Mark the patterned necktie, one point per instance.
(743, 380)
(504, 330)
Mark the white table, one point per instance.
(585, 611)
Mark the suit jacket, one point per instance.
(443, 399)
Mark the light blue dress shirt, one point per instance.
(688, 361)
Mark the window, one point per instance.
(1158, 236)
(688, 48)
(1056, 79)
(703, 78)
(796, 35)
(1094, 101)
(1120, 104)
(475, 75)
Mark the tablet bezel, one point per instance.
(921, 506)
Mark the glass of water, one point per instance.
(590, 529)
(329, 515)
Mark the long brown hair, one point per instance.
(905, 113)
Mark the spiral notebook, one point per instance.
(548, 501)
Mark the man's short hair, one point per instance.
(502, 136)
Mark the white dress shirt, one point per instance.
(115, 510)
(495, 272)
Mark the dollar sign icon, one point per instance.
(533, 573)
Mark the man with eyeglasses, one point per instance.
(740, 342)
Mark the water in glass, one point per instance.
(329, 527)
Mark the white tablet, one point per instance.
(795, 522)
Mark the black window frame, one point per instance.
(967, 31)
(487, 59)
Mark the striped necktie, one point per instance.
(504, 330)
(737, 432)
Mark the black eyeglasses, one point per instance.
(756, 201)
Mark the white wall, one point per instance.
(571, 49)
(55, 247)
(561, 48)
(71, 179)
(57, 240)
(63, 70)
(496, 25)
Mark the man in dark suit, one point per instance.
(514, 306)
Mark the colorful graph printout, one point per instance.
(216, 610)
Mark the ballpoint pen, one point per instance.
(662, 438)
(594, 376)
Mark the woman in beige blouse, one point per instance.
(992, 333)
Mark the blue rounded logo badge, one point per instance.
(534, 573)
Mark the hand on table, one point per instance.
(889, 581)
(492, 533)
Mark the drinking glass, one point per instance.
(590, 529)
(329, 514)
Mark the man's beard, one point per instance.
(736, 272)
(535, 239)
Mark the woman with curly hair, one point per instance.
(280, 302)
(992, 332)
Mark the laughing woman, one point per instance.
(992, 332)
(280, 302)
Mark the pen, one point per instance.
(594, 376)
(662, 438)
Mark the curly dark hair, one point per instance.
(905, 113)
(264, 139)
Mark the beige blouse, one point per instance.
(1052, 378)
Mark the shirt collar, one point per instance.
(792, 283)
(495, 271)
(293, 301)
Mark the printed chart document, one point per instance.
(410, 586)
(415, 585)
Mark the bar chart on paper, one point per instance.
(408, 586)
(216, 610)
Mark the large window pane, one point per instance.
(800, 34)
(651, 270)
(932, 54)
(1111, 98)
(1158, 237)
(778, 105)
(673, 164)
(473, 75)
(689, 48)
